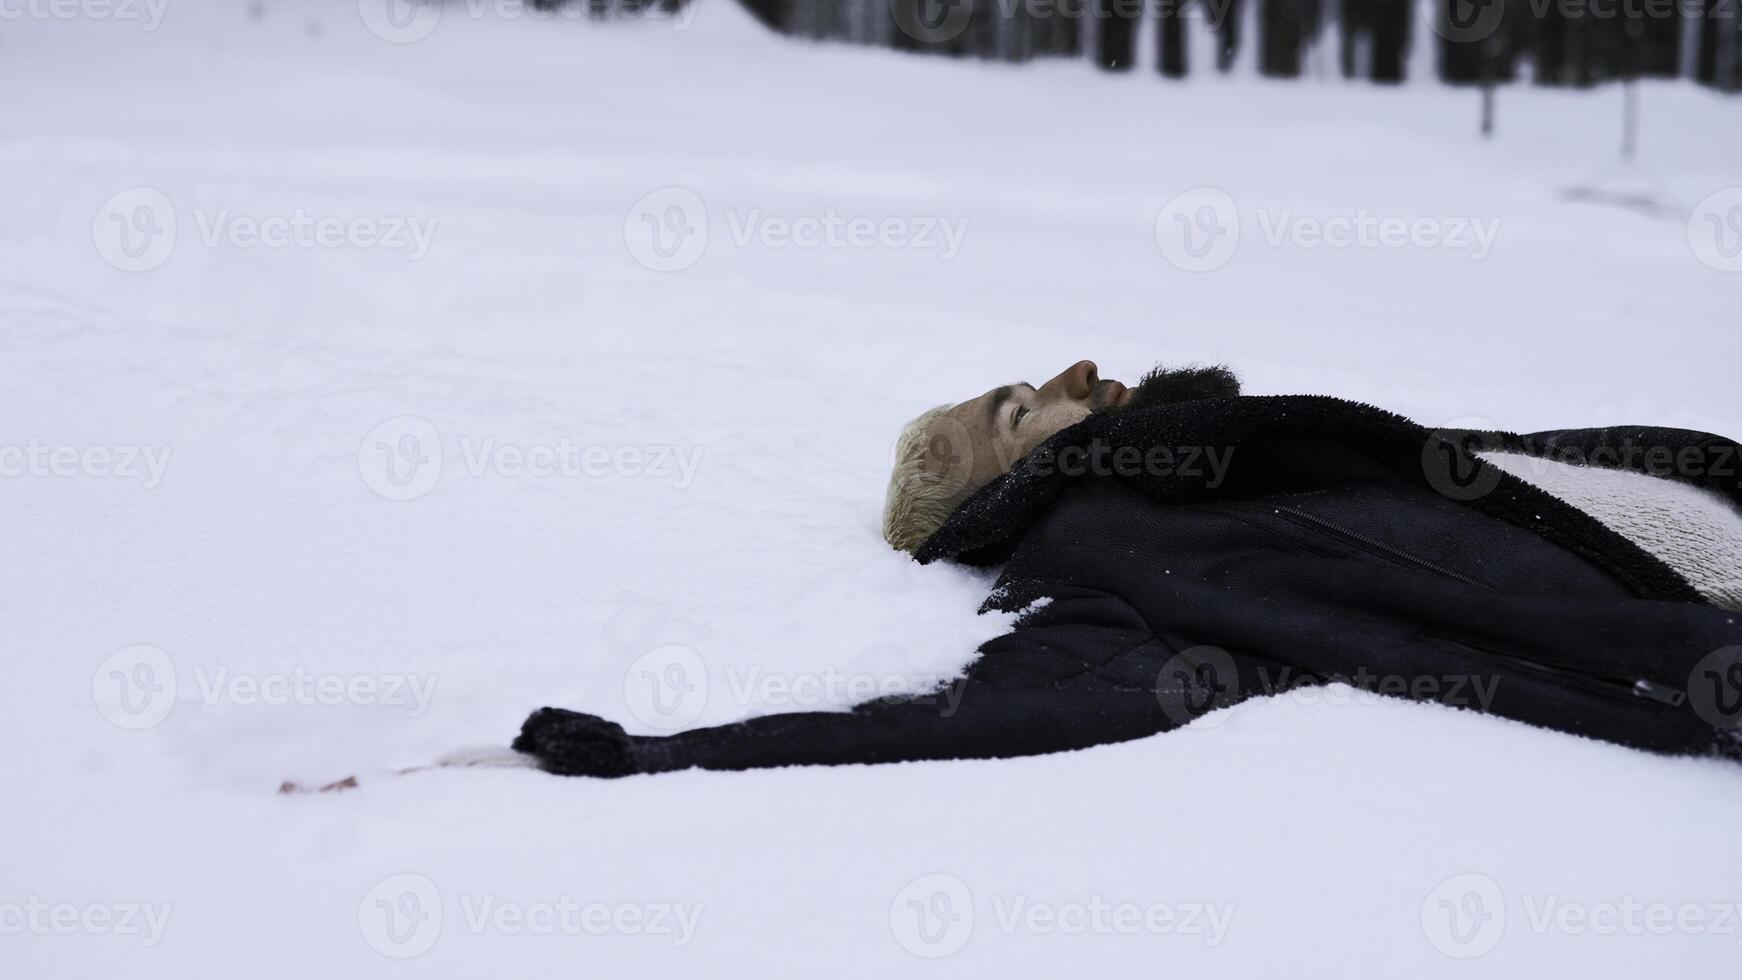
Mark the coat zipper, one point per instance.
(1379, 548)
(1614, 684)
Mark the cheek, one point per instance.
(1051, 420)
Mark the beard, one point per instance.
(1166, 386)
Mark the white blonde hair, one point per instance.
(921, 496)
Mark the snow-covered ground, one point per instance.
(411, 423)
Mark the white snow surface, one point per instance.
(1330, 828)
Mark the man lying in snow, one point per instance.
(1178, 547)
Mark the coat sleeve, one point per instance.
(1079, 671)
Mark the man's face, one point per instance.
(985, 436)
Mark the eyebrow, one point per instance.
(999, 397)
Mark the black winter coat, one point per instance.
(1338, 543)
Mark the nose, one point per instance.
(1076, 382)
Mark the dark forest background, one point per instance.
(1475, 42)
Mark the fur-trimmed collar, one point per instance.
(1271, 442)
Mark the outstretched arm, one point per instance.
(1076, 673)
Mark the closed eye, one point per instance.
(1017, 415)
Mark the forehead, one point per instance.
(978, 416)
(982, 406)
